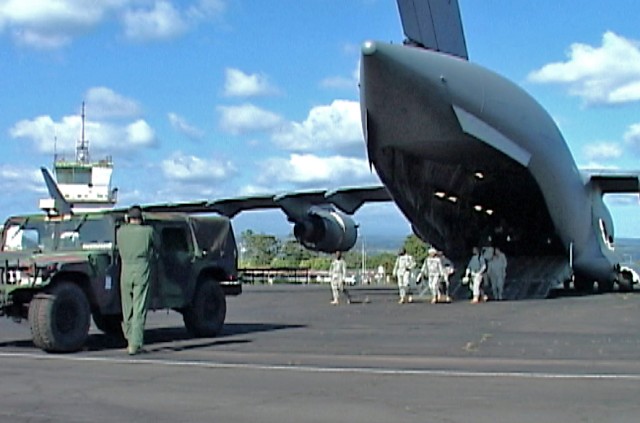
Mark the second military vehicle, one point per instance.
(60, 271)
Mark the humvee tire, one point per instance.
(60, 318)
(109, 324)
(207, 311)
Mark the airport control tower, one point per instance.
(84, 184)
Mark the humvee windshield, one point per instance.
(79, 233)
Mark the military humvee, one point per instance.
(58, 272)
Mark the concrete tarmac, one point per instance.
(287, 355)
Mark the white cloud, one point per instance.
(181, 125)
(103, 138)
(14, 179)
(206, 9)
(187, 168)
(52, 23)
(595, 166)
(240, 84)
(609, 74)
(103, 102)
(310, 170)
(161, 22)
(603, 150)
(139, 134)
(632, 137)
(247, 118)
(334, 126)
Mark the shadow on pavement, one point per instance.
(102, 342)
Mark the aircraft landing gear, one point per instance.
(625, 281)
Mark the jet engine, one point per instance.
(326, 230)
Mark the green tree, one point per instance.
(416, 247)
(291, 255)
(384, 259)
(257, 250)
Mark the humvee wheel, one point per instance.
(109, 324)
(207, 311)
(59, 318)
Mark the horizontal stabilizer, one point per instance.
(434, 24)
(616, 183)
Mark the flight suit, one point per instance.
(137, 251)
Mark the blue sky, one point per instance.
(201, 99)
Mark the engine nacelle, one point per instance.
(326, 230)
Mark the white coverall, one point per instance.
(497, 270)
(402, 271)
(338, 274)
(477, 267)
(433, 270)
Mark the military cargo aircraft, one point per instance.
(469, 158)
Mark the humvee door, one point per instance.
(174, 268)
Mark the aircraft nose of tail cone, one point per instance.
(368, 48)
(404, 101)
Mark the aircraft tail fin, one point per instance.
(434, 24)
(62, 206)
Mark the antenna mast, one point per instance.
(82, 147)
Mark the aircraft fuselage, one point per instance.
(472, 159)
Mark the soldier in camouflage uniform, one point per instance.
(402, 271)
(137, 251)
(338, 274)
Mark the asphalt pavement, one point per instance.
(287, 355)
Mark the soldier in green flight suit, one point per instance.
(137, 252)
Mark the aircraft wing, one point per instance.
(434, 24)
(294, 204)
(616, 182)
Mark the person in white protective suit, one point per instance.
(497, 272)
(474, 274)
(338, 274)
(433, 270)
(447, 271)
(402, 271)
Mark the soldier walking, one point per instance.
(338, 274)
(402, 271)
(433, 270)
(476, 269)
(497, 273)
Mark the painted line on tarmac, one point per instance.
(325, 369)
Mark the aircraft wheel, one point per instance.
(60, 318)
(604, 287)
(625, 282)
(582, 285)
(205, 315)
